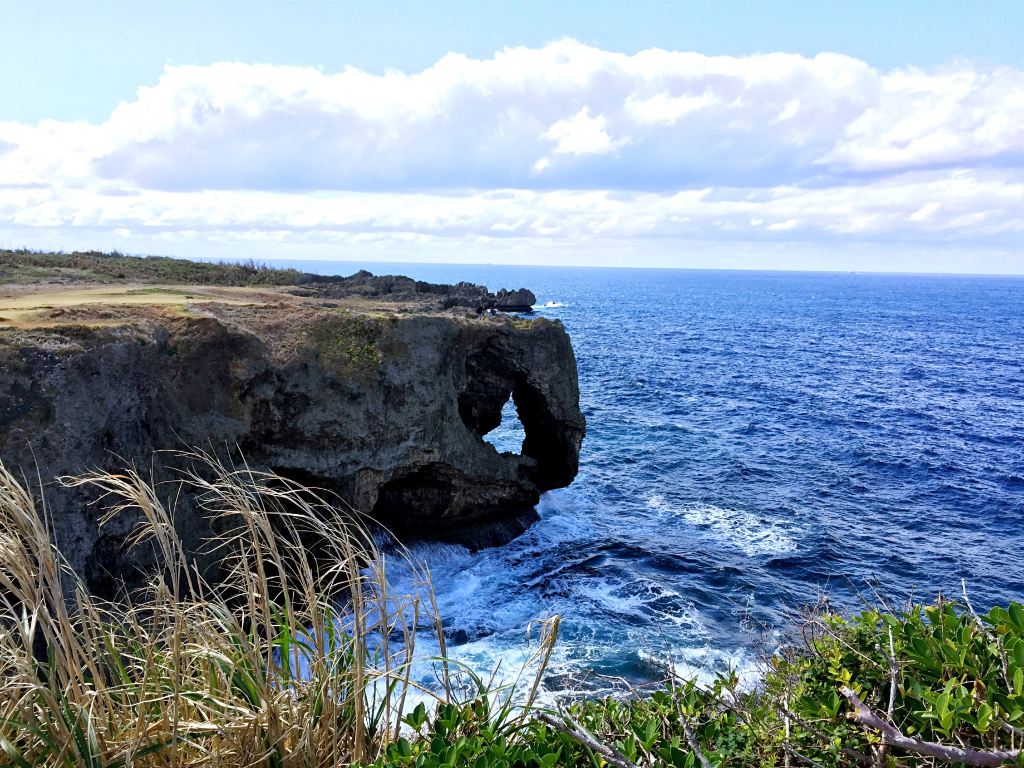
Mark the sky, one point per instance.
(776, 135)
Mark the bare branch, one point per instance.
(894, 671)
(578, 732)
(804, 758)
(1011, 728)
(692, 741)
(946, 753)
(788, 731)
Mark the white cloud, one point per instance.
(465, 123)
(564, 142)
(959, 117)
(662, 109)
(582, 134)
(975, 205)
(925, 211)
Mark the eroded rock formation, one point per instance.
(519, 300)
(388, 411)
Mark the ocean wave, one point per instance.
(792, 406)
(704, 663)
(752, 534)
(641, 600)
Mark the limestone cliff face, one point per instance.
(387, 411)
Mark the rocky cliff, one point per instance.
(387, 406)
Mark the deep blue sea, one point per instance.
(755, 441)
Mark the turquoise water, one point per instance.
(755, 441)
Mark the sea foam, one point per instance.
(754, 535)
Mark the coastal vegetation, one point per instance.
(927, 686)
(347, 342)
(25, 266)
(303, 660)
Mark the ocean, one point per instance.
(756, 442)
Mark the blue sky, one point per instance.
(860, 135)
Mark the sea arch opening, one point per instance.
(509, 434)
(499, 391)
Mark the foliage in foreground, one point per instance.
(958, 699)
(267, 670)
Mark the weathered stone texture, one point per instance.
(396, 430)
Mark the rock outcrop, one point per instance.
(520, 300)
(396, 288)
(389, 411)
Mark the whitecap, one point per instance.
(643, 600)
(754, 535)
(704, 663)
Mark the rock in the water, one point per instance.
(521, 300)
(388, 411)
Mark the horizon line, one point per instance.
(313, 260)
(907, 273)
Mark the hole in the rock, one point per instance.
(508, 436)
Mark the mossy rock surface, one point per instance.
(347, 344)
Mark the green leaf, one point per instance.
(984, 717)
(946, 720)
(1016, 611)
(417, 717)
(1018, 652)
(997, 616)
(11, 751)
(404, 747)
(651, 733)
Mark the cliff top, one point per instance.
(31, 267)
(379, 389)
(50, 290)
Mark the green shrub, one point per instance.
(25, 266)
(959, 684)
(347, 343)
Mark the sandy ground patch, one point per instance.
(34, 306)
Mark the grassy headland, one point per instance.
(24, 266)
(47, 290)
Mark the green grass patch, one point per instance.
(347, 344)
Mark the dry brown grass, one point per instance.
(268, 668)
(40, 306)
